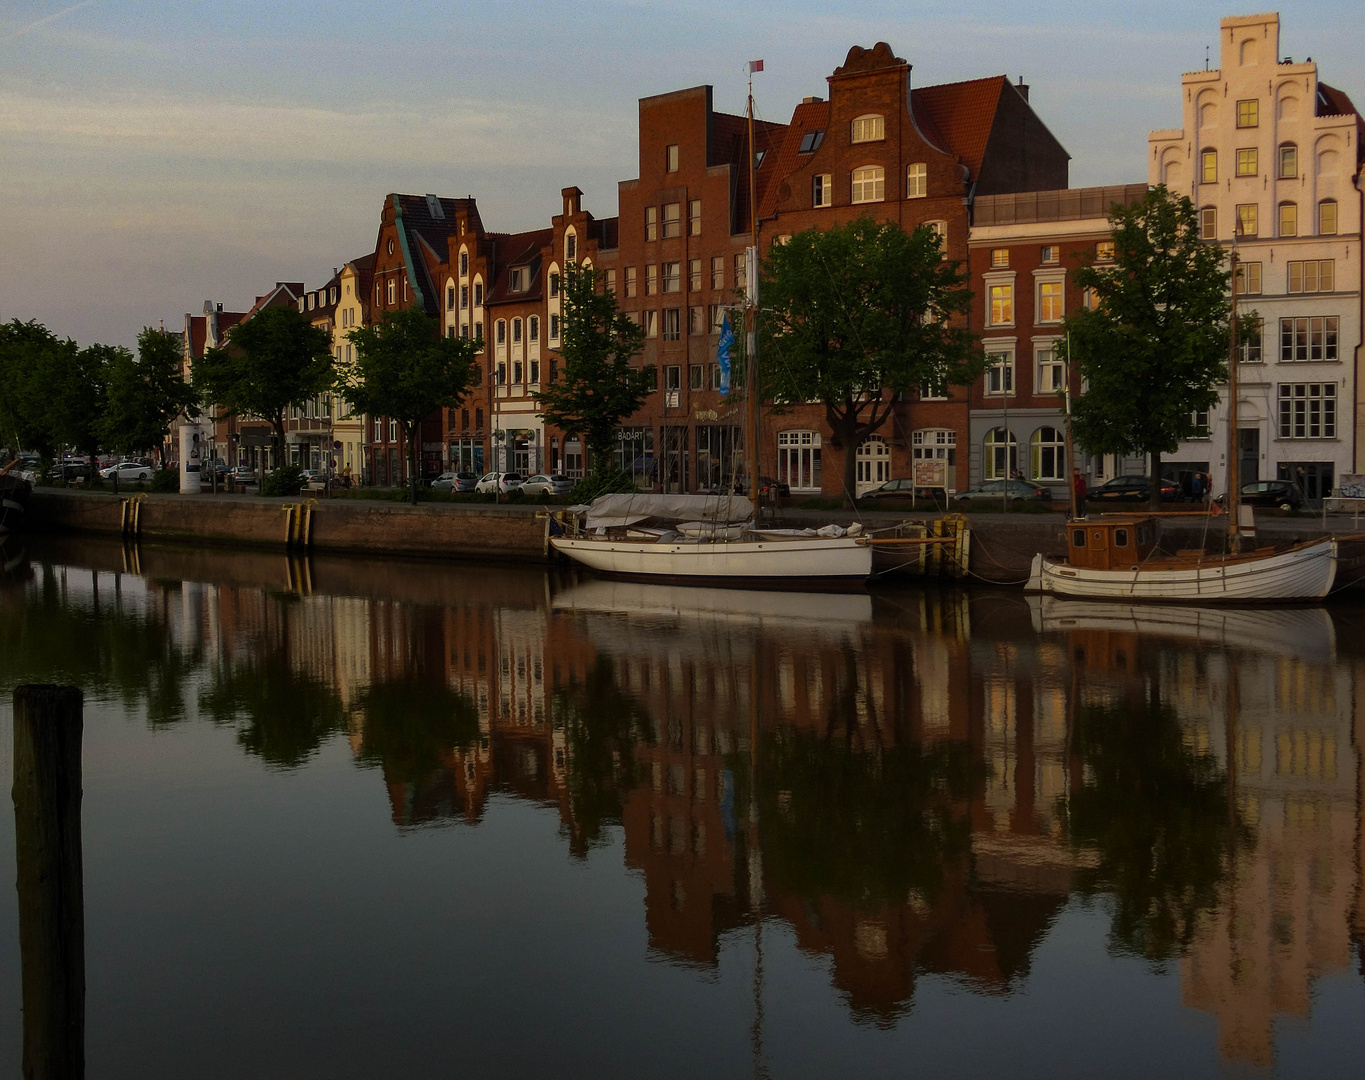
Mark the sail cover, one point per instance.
(609, 511)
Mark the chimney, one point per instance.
(1022, 88)
(812, 100)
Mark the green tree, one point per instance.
(30, 355)
(1153, 346)
(598, 386)
(275, 360)
(854, 316)
(404, 369)
(146, 394)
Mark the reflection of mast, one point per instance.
(755, 861)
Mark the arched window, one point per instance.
(869, 128)
(1002, 454)
(1208, 167)
(1327, 217)
(516, 333)
(1289, 219)
(501, 331)
(869, 184)
(1287, 162)
(798, 459)
(533, 328)
(1047, 455)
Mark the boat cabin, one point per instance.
(1110, 543)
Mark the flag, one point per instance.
(755, 65)
(727, 338)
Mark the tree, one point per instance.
(146, 394)
(598, 387)
(273, 361)
(1153, 346)
(404, 369)
(853, 316)
(78, 392)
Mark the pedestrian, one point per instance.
(1197, 488)
(1078, 486)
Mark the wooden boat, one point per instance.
(1116, 558)
(14, 495)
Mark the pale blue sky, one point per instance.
(155, 155)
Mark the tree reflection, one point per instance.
(284, 715)
(411, 724)
(864, 827)
(1158, 815)
(602, 725)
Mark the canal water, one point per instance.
(349, 818)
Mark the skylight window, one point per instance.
(810, 141)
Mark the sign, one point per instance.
(336, 446)
(1351, 485)
(930, 474)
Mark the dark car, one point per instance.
(892, 489)
(1136, 489)
(992, 492)
(1282, 493)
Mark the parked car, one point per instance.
(497, 481)
(243, 474)
(892, 489)
(547, 485)
(455, 482)
(128, 470)
(993, 491)
(1282, 493)
(1132, 489)
(766, 484)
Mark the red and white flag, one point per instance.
(755, 65)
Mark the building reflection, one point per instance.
(915, 784)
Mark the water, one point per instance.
(349, 818)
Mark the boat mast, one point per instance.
(1234, 481)
(751, 305)
(1070, 446)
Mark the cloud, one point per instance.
(39, 23)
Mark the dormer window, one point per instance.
(869, 128)
(810, 142)
(517, 279)
(301, 304)
(758, 158)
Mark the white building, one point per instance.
(1266, 145)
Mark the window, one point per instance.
(501, 331)
(651, 223)
(516, 279)
(869, 128)
(1000, 257)
(1248, 278)
(916, 180)
(1314, 275)
(501, 374)
(1208, 167)
(1246, 161)
(869, 184)
(630, 281)
(934, 444)
(1288, 162)
(673, 377)
(810, 142)
(393, 431)
(1047, 455)
(939, 229)
(1002, 305)
(571, 247)
(671, 158)
(934, 388)
(464, 297)
(672, 324)
(651, 280)
(1246, 219)
(554, 369)
(554, 327)
(1001, 457)
(672, 277)
(741, 270)
(1308, 339)
(478, 294)
(715, 376)
(1047, 254)
(1199, 423)
(1104, 251)
(478, 419)
(516, 331)
(672, 220)
(1050, 302)
(450, 298)
(1208, 223)
(715, 317)
(822, 190)
(610, 281)
(1289, 219)
(1000, 373)
(650, 323)
(464, 264)
(516, 373)
(696, 320)
(1248, 113)
(554, 286)
(1327, 217)
(393, 291)
(378, 430)
(696, 377)
(1250, 348)
(798, 459)
(1050, 372)
(694, 275)
(694, 218)
(1308, 410)
(478, 331)
(533, 328)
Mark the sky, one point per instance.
(154, 155)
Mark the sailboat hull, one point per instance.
(838, 559)
(1305, 572)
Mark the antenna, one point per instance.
(1206, 58)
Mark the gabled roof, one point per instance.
(426, 222)
(957, 117)
(284, 292)
(786, 157)
(519, 250)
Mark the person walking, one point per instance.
(1078, 486)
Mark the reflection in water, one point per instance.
(914, 784)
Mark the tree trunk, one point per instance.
(412, 460)
(849, 433)
(1154, 485)
(278, 424)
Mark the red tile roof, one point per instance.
(958, 116)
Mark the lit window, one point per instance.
(1289, 219)
(671, 157)
(1104, 251)
(869, 184)
(672, 277)
(718, 272)
(1327, 217)
(1002, 305)
(869, 128)
(1050, 301)
(821, 190)
(1000, 257)
(1248, 278)
(916, 180)
(630, 281)
(694, 275)
(1313, 275)
(1289, 162)
(1248, 114)
(651, 280)
(672, 220)
(1246, 219)
(1208, 167)
(1246, 161)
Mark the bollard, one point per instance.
(47, 831)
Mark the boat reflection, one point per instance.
(918, 784)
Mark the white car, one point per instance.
(128, 470)
(547, 485)
(497, 481)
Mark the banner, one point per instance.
(727, 338)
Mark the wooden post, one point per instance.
(47, 826)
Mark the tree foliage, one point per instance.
(403, 369)
(146, 394)
(273, 361)
(598, 386)
(1153, 347)
(853, 316)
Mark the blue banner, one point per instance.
(727, 338)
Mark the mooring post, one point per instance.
(48, 728)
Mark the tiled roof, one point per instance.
(809, 116)
(729, 146)
(519, 249)
(1333, 102)
(960, 116)
(291, 290)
